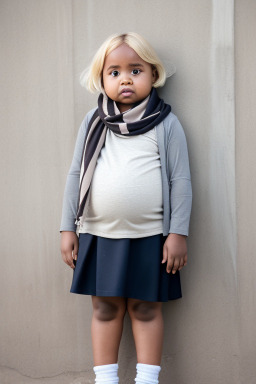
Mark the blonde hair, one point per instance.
(91, 77)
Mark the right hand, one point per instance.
(69, 247)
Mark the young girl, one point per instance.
(128, 196)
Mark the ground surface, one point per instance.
(10, 376)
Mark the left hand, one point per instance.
(175, 252)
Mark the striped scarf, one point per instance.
(142, 117)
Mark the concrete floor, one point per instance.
(10, 376)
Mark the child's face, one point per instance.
(127, 78)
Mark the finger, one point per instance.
(181, 264)
(185, 261)
(64, 257)
(75, 251)
(175, 266)
(169, 264)
(69, 259)
(165, 255)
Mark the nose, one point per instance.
(126, 81)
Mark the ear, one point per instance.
(154, 74)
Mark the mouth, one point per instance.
(126, 92)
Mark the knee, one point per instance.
(107, 311)
(144, 311)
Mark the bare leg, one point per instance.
(147, 326)
(107, 327)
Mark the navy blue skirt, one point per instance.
(129, 268)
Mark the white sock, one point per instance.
(106, 374)
(147, 374)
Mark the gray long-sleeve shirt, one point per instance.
(176, 183)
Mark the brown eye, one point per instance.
(114, 73)
(136, 71)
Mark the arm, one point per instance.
(69, 239)
(71, 192)
(175, 247)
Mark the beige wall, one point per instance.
(45, 44)
(245, 17)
